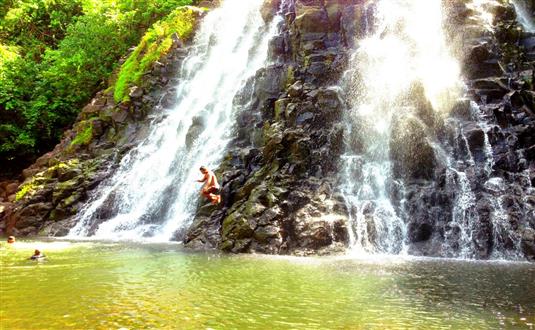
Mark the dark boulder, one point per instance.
(528, 244)
(311, 19)
(411, 153)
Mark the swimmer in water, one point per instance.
(37, 255)
(11, 239)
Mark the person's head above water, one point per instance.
(36, 252)
(11, 239)
(203, 169)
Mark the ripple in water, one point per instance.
(159, 286)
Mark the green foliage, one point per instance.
(8, 54)
(28, 189)
(22, 192)
(13, 101)
(54, 56)
(154, 44)
(84, 137)
(37, 24)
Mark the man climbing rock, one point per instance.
(211, 186)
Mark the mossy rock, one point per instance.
(226, 245)
(241, 245)
(155, 44)
(236, 226)
(28, 189)
(254, 208)
(280, 108)
(70, 200)
(290, 76)
(84, 134)
(207, 209)
(64, 189)
(263, 234)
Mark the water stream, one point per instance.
(154, 194)
(525, 18)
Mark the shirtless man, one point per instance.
(211, 187)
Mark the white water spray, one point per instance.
(525, 18)
(407, 47)
(154, 190)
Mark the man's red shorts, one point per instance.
(212, 190)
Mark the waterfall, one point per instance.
(525, 18)
(405, 47)
(154, 193)
(413, 172)
(402, 84)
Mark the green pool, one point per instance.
(87, 285)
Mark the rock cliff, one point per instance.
(280, 177)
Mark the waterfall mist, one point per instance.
(525, 18)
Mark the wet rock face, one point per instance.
(412, 156)
(528, 243)
(491, 188)
(506, 102)
(279, 177)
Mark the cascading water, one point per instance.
(525, 18)
(153, 193)
(419, 177)
(414, 174)
(506, 240)
(405, 47)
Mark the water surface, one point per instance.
(88, 285)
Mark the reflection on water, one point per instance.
(98, 285)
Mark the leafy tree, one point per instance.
(54, 56)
